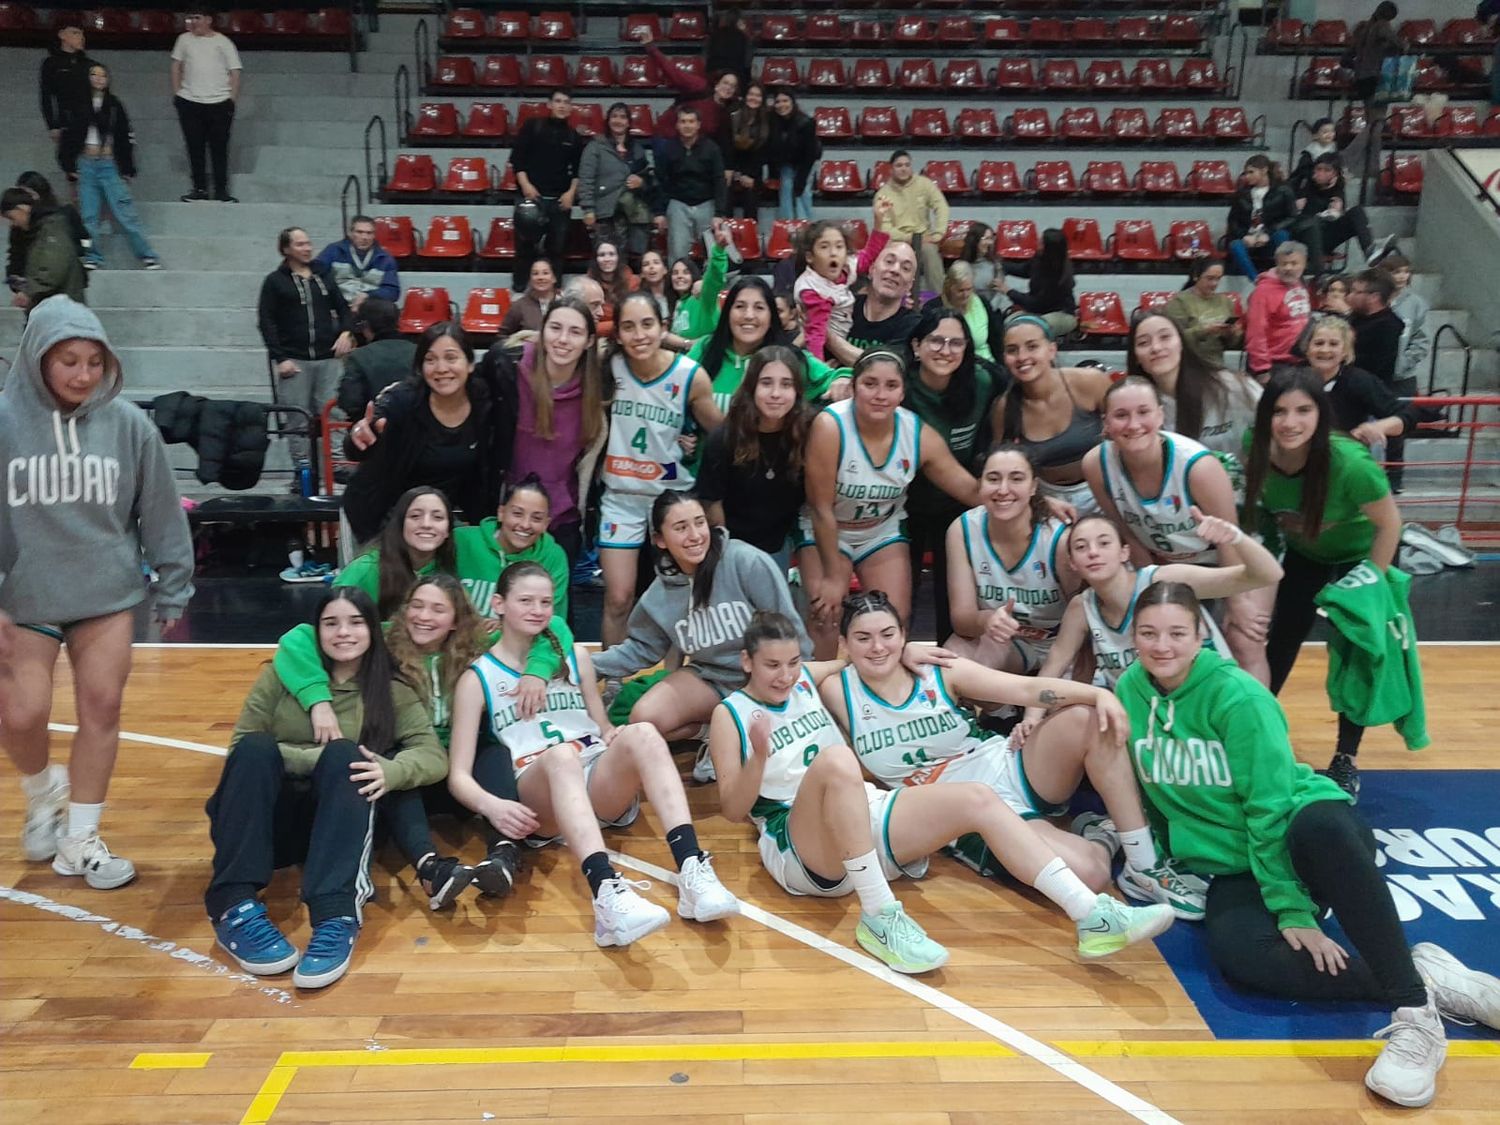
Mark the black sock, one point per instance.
(683, 841)
(1350, 735)
(597, 869)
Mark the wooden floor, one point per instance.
(114, 1007)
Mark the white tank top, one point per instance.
(801, 728)
(564, 716)
(1032, 582)
(645, 420)
(867, 494)
(1161, 523)
(895, 741)
(1114, 647)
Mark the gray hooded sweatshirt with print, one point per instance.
(88, 493)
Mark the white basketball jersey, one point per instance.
(564, 716)
(645, 421)
(1032, 583)
(867, 494)
(1114, 647)
(801, 728)
(1162, 523)
(895, 741)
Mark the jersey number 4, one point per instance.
(638, 443)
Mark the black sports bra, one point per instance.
(1085, 430)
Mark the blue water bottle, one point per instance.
(304, 479)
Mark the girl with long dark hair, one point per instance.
(608, 268)
(1199, 400)
(1049, 292)
(1261, 214)
(745, 162)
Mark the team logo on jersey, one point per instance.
(905, 465)
(1040, 567)
(867, 713)
(672, 389)
(930, 694)
(1176, 502)
(803, 688)
(853, 465)
(984, 569)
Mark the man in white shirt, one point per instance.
(205, 88)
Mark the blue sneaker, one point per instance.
(248, 935)
(328, 953)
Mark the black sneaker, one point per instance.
(443, 878)
(1343, 771)
(495, 874)
(197, 195)
(225, 198)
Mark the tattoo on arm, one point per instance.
(1048, 697)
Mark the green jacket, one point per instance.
(1374, 674)
(1220, 781)
(415, 758)
(52, 264)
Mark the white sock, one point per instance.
(869, 883)
(1140, 849)
(35, 784)
(1058, 883)
(83, 820)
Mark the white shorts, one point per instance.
(996, 764)
(623, 519)
(858, 544)
(590, 750)
(1080, 495)
(780, 858)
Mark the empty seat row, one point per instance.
(1289, 34)
(155, 23)
(1409, 123)
(1047, 179)
(1227, 124)
(917, 30)
(1059, 75)
(546, 72)
(437, 122)
(1326, 77)
(558, 27)
(417, 174)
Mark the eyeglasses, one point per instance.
(947, 343)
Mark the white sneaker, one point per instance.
(87, 856)
(621, 916)
(703, 766)
(1098, 828)
(700, 895)
(1460, 992)
(1415, 1047)
(44, 816)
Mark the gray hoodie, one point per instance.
(87, 493)
(747, 579)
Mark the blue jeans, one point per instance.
(100, 183)
(1241, 253)
(790, 206)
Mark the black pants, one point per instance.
(206, 127)
(406, 814)
(744, 201)
(548, 235)
(1325, 236)
(929, 532)
(1292, 619)
(1395, 447)
(1333, 853)
(261, 819)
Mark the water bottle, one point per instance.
(1195, 247)
(305, 479)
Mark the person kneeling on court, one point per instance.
(575, 772)
(285, 799)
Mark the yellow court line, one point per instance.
(268, 1097)
(1255, 1048)
(171, 1060)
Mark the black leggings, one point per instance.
(1333, 853)
(405, 813)
(1292, 620)
(926, 533)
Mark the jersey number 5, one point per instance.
(550, 733)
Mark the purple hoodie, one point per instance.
(554, 459)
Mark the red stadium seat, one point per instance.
(1462, 32)
(687, 27)
(879, 123)
(153, 21)
(1135, 240)
(526, 111)
(1329, 33)
(1156, 299)
(856, 234)
(833, 123)
(423, 308)
(1085, 243)
(1053, 178)
(1408, 123)
(246, 24)
(997, 179)
(1031, 125)
(1093, 32)
(1153, 75)
(880, 175)
(746, 237)
(487, 119)
(929, 124)
(637, 72)
(546, 72)
(485, 310)
(1106, 75)
(1191, 238)
(508, 182)
(435, 119)
(1418, 33)
(1158, 177)
(1106, 177)
(1457, 121)
(1060, 75)
(1430, 76)
(396, 236)
(780, 70)
(956, 30)
(588, 120)
(642, 124)
(1227, 123)
(1179, 124)
(963, 74)
(464, 23)
(1014, 74)
(1128, 123)
(1002, 32)
(593, 71)
(1181, 31)
(502, 71)
(414, 172)
(826, 74)
(867, 32)
(1286, 33)
(1492, 124)
(448, 236)
(1016, 239)
(978, 125)
(509, 25)
(911, 29)
(468, 174)
(839, 177)
(823, 28)
(1080, 125)
(1200, 76)
(1047, 33)
(1403, 173)
(916, 74)
(17, 17)
(872, 74)
(1210, 177)
(784, 235)
(1134, 29)
(954, 237)
(1323, 76)
(778, 29)
(632, 25)
(453, 71)
(283, 22)
(1102, 314)
(500, 243)
(948, 175)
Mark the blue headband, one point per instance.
(1027, 318)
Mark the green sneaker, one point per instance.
(892, 937)
(1112, 925)
(1186, 895)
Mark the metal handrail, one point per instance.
(1291, 148)
(1482, 192)
(421, 38)
(373, 185)
(402, 91)
(359, 199)
(1463, 342)
(353, 6)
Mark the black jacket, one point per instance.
(20, 240)
(793, 141)
(1277, 210)
(230, 437)
(113, 124)
(1377, 343)
(693, 175)
(301, 317)
(548, 152)
(1319, 198)
(370, 369)
(1357, 396)
(64, 85)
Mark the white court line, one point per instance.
(1047, 1055)
(151, 740)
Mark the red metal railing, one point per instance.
(1476, 501)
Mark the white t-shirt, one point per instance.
(206, 62)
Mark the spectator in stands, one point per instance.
(1206, 316)
(730, 50)
(711, 100)
(1049, 292)
(526, 311)
(792, 152)
(1363, 407)
(1333, 296)
(205, 88)
(40, 190)
(1374, 41)
(883, 318)
(608, 268)
(989, 274)
(383, 357)
(361, 269)
(750, 131)
(590, 293)
(50, 264)
(824, 287)
(684, 282)
(692, 175)
(920, 215)
(960, 294)
(1279, 309)
(64, 80)
(789, 313)
(1260, 215)
(1413, 311)
(1322, 142)
(546, 159)
(1378, 332)
(617, 186)
(1327, 220)
(652, 278)
(97, 152)
(305, 323)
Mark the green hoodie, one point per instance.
(1216, 768)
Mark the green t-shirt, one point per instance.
(966, 438)
(731, 373)
(1346, 535)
